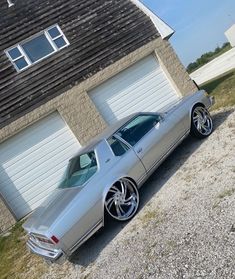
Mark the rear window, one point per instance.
(80, 170)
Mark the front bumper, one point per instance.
(55, 255)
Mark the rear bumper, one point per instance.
(55, 255)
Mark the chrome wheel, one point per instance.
(122, 200)
(202, 121)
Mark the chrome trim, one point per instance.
(51, 255)
(86, 236)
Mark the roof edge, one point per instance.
(163, 28)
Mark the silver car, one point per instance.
(104, 177)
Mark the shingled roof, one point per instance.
(100, 33)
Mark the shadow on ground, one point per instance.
(90, 250)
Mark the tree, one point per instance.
(207, 57)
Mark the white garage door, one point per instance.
(33, 161)
(141, 87)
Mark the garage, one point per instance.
(33, 161)
(141, 87)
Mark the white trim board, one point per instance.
(164, 29)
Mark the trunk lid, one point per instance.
(50, 210)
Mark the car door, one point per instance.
(151, 136)
(127, 160)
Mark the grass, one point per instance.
(215, 55)
(222, 195)
(226, 193)
(15, 260)
(223, 88)
(150, 215)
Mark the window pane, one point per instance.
(138, 127)
(37, 48)
(14, 53)
(118, 147)
(21, 63)
(54, 32)
(80, 169)
(60, 42)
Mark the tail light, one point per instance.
(55, 239)
(45, 241)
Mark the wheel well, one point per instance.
(132, 180)
(198, 104)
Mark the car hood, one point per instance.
(50, 210)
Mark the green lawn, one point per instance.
(223, 88)
(15, 260)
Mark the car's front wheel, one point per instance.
(122, 200)
(201, 122)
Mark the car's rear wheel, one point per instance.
(122, 200)
(201, 122)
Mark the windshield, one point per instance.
(79, 170)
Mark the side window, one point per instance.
(118, 147)
(85, 160)
(138, 127)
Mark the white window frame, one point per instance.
(25, 56)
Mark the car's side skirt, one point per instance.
(157, 163)
(86, 236)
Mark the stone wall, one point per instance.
(6, 218)
(174, 69)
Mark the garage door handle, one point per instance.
(140, 150)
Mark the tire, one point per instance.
(201, 122)
(122, 200)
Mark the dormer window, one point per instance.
(38, 47)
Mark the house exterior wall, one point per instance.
(6, 218)
(230, 34)
(99, 32)
(79, 112)
(174, 69)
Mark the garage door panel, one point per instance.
(139, 101)
(41, 172)
(32, 137)
(129, 97)
(39, 180)
(135, 99)
(37, 160)
(137, 74)
(32, 162)
(36, 191)
(125, 88)
(142, 87)
(25, 154)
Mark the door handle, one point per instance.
(139, 150)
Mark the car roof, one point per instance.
(108, 132)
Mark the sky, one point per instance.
(199, 24)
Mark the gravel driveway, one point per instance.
(185, 227)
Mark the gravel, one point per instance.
(185, 227)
